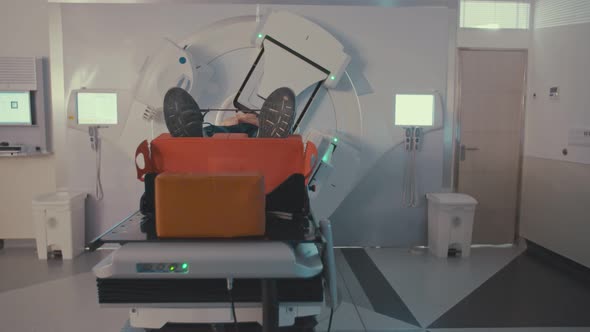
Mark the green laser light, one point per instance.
(259, 35)
(335, 139)
(332, 77)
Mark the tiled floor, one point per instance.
(504, 290)
(21, 268)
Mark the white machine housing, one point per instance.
(228, 259)
(330, 184)
(306, 38)
(208, 47)
(170, 66)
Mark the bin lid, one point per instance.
(58, 198)
(451, 199)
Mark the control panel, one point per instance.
(162, 267)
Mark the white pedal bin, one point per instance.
(59, 223)
(450, 223)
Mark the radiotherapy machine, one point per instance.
(286, 276)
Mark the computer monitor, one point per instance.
(15, 108)
(96, 108)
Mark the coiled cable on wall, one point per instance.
(409, 193)
(406, 181)
(99, 192)
(413, 193)
(95, 144)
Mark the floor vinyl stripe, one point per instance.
(382, 296)
(526, 293)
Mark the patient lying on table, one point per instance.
(184, 118)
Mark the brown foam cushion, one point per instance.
(210, 205)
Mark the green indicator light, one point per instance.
(335, 140)
(184, 266)
(259, 35)
(327, 158)
(172, 268)
(332, 77)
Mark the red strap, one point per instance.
(144, 150)
(311, 160)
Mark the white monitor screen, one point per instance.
(15, 108)
(414, 110)
(97, 108)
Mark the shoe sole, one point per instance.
(277, 114)
(182, 114)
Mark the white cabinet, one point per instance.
(59, 223)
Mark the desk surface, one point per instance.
(16, 154)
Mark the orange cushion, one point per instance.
(210, 205)
(276, 159)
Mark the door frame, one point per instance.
(457, 141)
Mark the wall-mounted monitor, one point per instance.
(15, 108)
(94, 108)
(414, 110)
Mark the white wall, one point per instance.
(555, 200)
(23, 32)
(24, 28)
(560, 57)
(555, 188)
(395, 48)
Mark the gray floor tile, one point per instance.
(346, 319)
(21, 268)
(527, 292)
(63, 305)
(359, 298)
(375, 322)
(430, 286)
(382, 296)
(343, 292)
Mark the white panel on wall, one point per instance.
(553, 13)
(579, 136)
(555, 199)
(560, 58)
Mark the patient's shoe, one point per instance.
(277, 114)
(182, 114)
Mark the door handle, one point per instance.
(465, 148)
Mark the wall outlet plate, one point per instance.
(579, 136)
